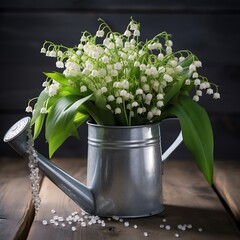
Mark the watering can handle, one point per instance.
(174, 145)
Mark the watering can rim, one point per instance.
(126, 126)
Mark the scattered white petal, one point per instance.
(126, 224)
(145, 234)
(44, 222)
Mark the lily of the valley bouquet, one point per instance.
(116, 79)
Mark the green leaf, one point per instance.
(138, 120)
(80, 118)
(60, 122)
(59, 77)
(121, 119)
(135, 72)
(40, 103)
(38, 125)
(38, 118)
(187, 61)
(197, 133)
(172, 90)
(101, 115)
(93, 112)
(98, 110)
(65, 90)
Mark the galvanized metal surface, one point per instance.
(124, 173)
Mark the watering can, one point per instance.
(124, 169)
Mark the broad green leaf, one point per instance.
(138, 120)
(187, 61)
(197, 133)
(102, 116)
(93, 112)
(38, 118)
(121, 119)
(60, 121)
(80, 118)
(59, 77)
(38, 125)
(100, 101)
(65, 90)
(201, 120)
(172, 90)
(185, 74)
(175, 88)
(40, 103)
(98, 110)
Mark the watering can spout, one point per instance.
(78, 192)
(122, 161)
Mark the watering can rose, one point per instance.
(118, 80)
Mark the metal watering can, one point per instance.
(124, 171)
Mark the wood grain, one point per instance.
(16, 210)
(187, 197)
(161, 6)
(227, 182)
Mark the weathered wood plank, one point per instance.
(16, 210)
(24, 38)
(227, 183)
(188, 200)
(186, 192)
(96, 5)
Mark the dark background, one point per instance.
(210, 29)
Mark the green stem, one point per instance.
(125, 113)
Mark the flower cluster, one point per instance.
(133, 77)
(119, 80)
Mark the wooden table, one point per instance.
(209, 212)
